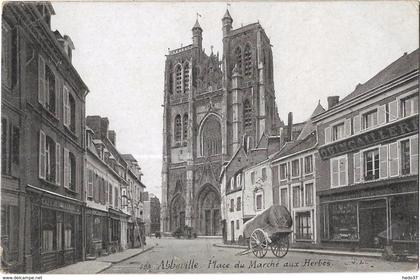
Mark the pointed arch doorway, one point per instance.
(208, 209)
(178, 213)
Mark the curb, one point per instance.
(327, 252)
(126, 258)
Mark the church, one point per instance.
(213, 106)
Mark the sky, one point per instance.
(319, 49)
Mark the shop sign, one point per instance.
(370, 138)
(59, 205)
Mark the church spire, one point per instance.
(197, 33)
(227, 23)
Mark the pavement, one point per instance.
(202, 256)
(314, 251)
(100, 264)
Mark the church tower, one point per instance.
(212, 106)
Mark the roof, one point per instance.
(296, 146)
(318, 110)
(128, 157)
(403, 65)
(227, 15)
(197, 24)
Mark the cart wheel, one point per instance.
(258, 243)
(280, 247)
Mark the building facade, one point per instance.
(43, 107)
(368, 175)
(151, 214)
(211, 106)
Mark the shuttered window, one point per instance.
(356, 124)
(66, 168)
(338, 171)
(41, 80)
(42, 155)
(393, 110)
(90, 183)
(382, 111)
(393, 160)
(356, 165)
(327, 134)
(338, 132)
(409, 105)
(383, 161)
(405, 156)
(283, 171)
(371, 164)
(347, 127)
(57, 163)
(414, 155)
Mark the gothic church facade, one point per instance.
(212, 106)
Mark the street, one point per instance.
(200, 256)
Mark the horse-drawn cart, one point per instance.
(269, 229)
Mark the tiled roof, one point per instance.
(403, 65)
(297, 146)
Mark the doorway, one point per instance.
(372, 223)
(232, 231)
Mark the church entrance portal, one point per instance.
(178, 213)
(208, 222)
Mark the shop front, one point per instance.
(117, 225)
(96, 232)
(372, 216)
(56, 229)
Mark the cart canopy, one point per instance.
(274, 219)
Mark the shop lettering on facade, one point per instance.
(60, 205)
(391, 131)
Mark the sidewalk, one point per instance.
(314, 251)
(102, 263)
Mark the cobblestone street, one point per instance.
(200, 256)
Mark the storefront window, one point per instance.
(339, 221)
(303, 225)
(97, 229)
(9, 232)
(68, 231)
(404, 218)
(48, 230)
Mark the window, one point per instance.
(4, 147)
(405, 157)
(253, 177)
(283, 171)
(238, 181)
(284, 199)
(258, 201)
(211, 137)
(237, 224)
(50, 93)
(338, 171)
(238, 204)
(50, 162)
(371, 165)
(232, 205)
(68, 231)
(238, 55)
(116, 197)
(178, 79)
(69, 170)
(264, 174)
(185, 127)
(338, 131)
(110, 194)
(295, 168)
(247, 61)
(9, 230)
(303, 225)
(309, 164)
(178, 128)
(309, 194)
(10, 151)
(15, 144)
(247, 114)
(186, 77)
(48, 218)
(90, 184)
(339, 221)
(72, 103)
(409, 105)
(296, 196)
(370, 119)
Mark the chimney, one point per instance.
(112, 136)
(289, 126)
(104, 127)
(94, 122)
(332, 101)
